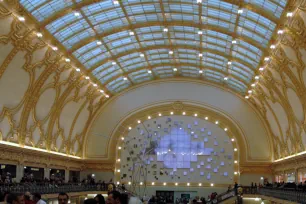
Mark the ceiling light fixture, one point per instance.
(234, 42)
(201, 71)
(87, 77)
(116, 2)
(99, 43)
(54, 48)
(200, 32)
(261, 69)
(217, 122)
(225, 78)
(175, 69)
(240, 11)
(289, 14)
(170, 52)
(165, 29)
(267, 59)
(233, 139)
(138, 121)
(184, 113)
(159, 114)
(67, 60)
(125, 78)
(199, 1)
(149, 71)
(235, 149)
(225, 129)
(171, 113)
(247, 97)
(77, 14)
(272, 46)
(101, 91)
(149, 117)
(206, 118)
(39, 35)
(114, 63)
(200, 55)
(195, 115)
(256, 77)
(132, 33)
(95, 85)
(253, 85)
(107, 96)
(229, 63)
(250, 91)
(141, 55)
(280, 32)
(21, 18)
(77, 69)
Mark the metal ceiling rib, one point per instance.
(127, 42)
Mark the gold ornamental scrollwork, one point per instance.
(178, 106)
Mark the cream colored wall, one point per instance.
(156, 93)
(137, 139)
(99, 175)
(247, 178)
(44, 102)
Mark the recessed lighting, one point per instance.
(132, 33)
(253, 85)
(21, 18)
(235, 173)
(119, 147)
(184, 113)
(95, 85)
(200, 32)
(211, 184)
(122, 138)
(101, 91)
(170, 52)
(176, 184)
(195, 115)
(200, 55)
(250, 91)
(107, 96)
(149, 71)
(247, 97)
(67, 60)
(272, 46)
(99, 43)
(76, 14)
(39, 35)
(175, 69)
(256, 77)
(114, 63)
(141, 55)
(225, 78)
(289, 14)
(129, 183)
(118, 160)
(54, 48)
(235, 161)
(171, 113)
(116, 2)
(153, 183)
(233, 139)
(200, 184)
(149, 117)
(165, 184)
(235, 149)
(261, 69)
(77, 69)
(188, 184)
(206, 118)
(240, 11)
(141, 183)
(165, 29)
(217, 122)
(118, 170)
(280, 32)
(159, 114)
(138, 121)
(125, 78)
(130, 128)
(234, 42)
(267, 59)
(229, 63)
(201, 71)
(225, 129)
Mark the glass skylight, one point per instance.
(141, 35)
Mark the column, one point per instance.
(47, 173)
(66, 175)
(297, 176)
(19, 172)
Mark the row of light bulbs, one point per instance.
(54, 48)
(267, 59)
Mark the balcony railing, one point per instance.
(52, 189)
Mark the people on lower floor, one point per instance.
(13, 198)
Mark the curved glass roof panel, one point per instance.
(120, 41)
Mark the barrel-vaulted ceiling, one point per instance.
(127, 42)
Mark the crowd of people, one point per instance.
(289, 185)
(114, 197)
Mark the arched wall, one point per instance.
(255, 138)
